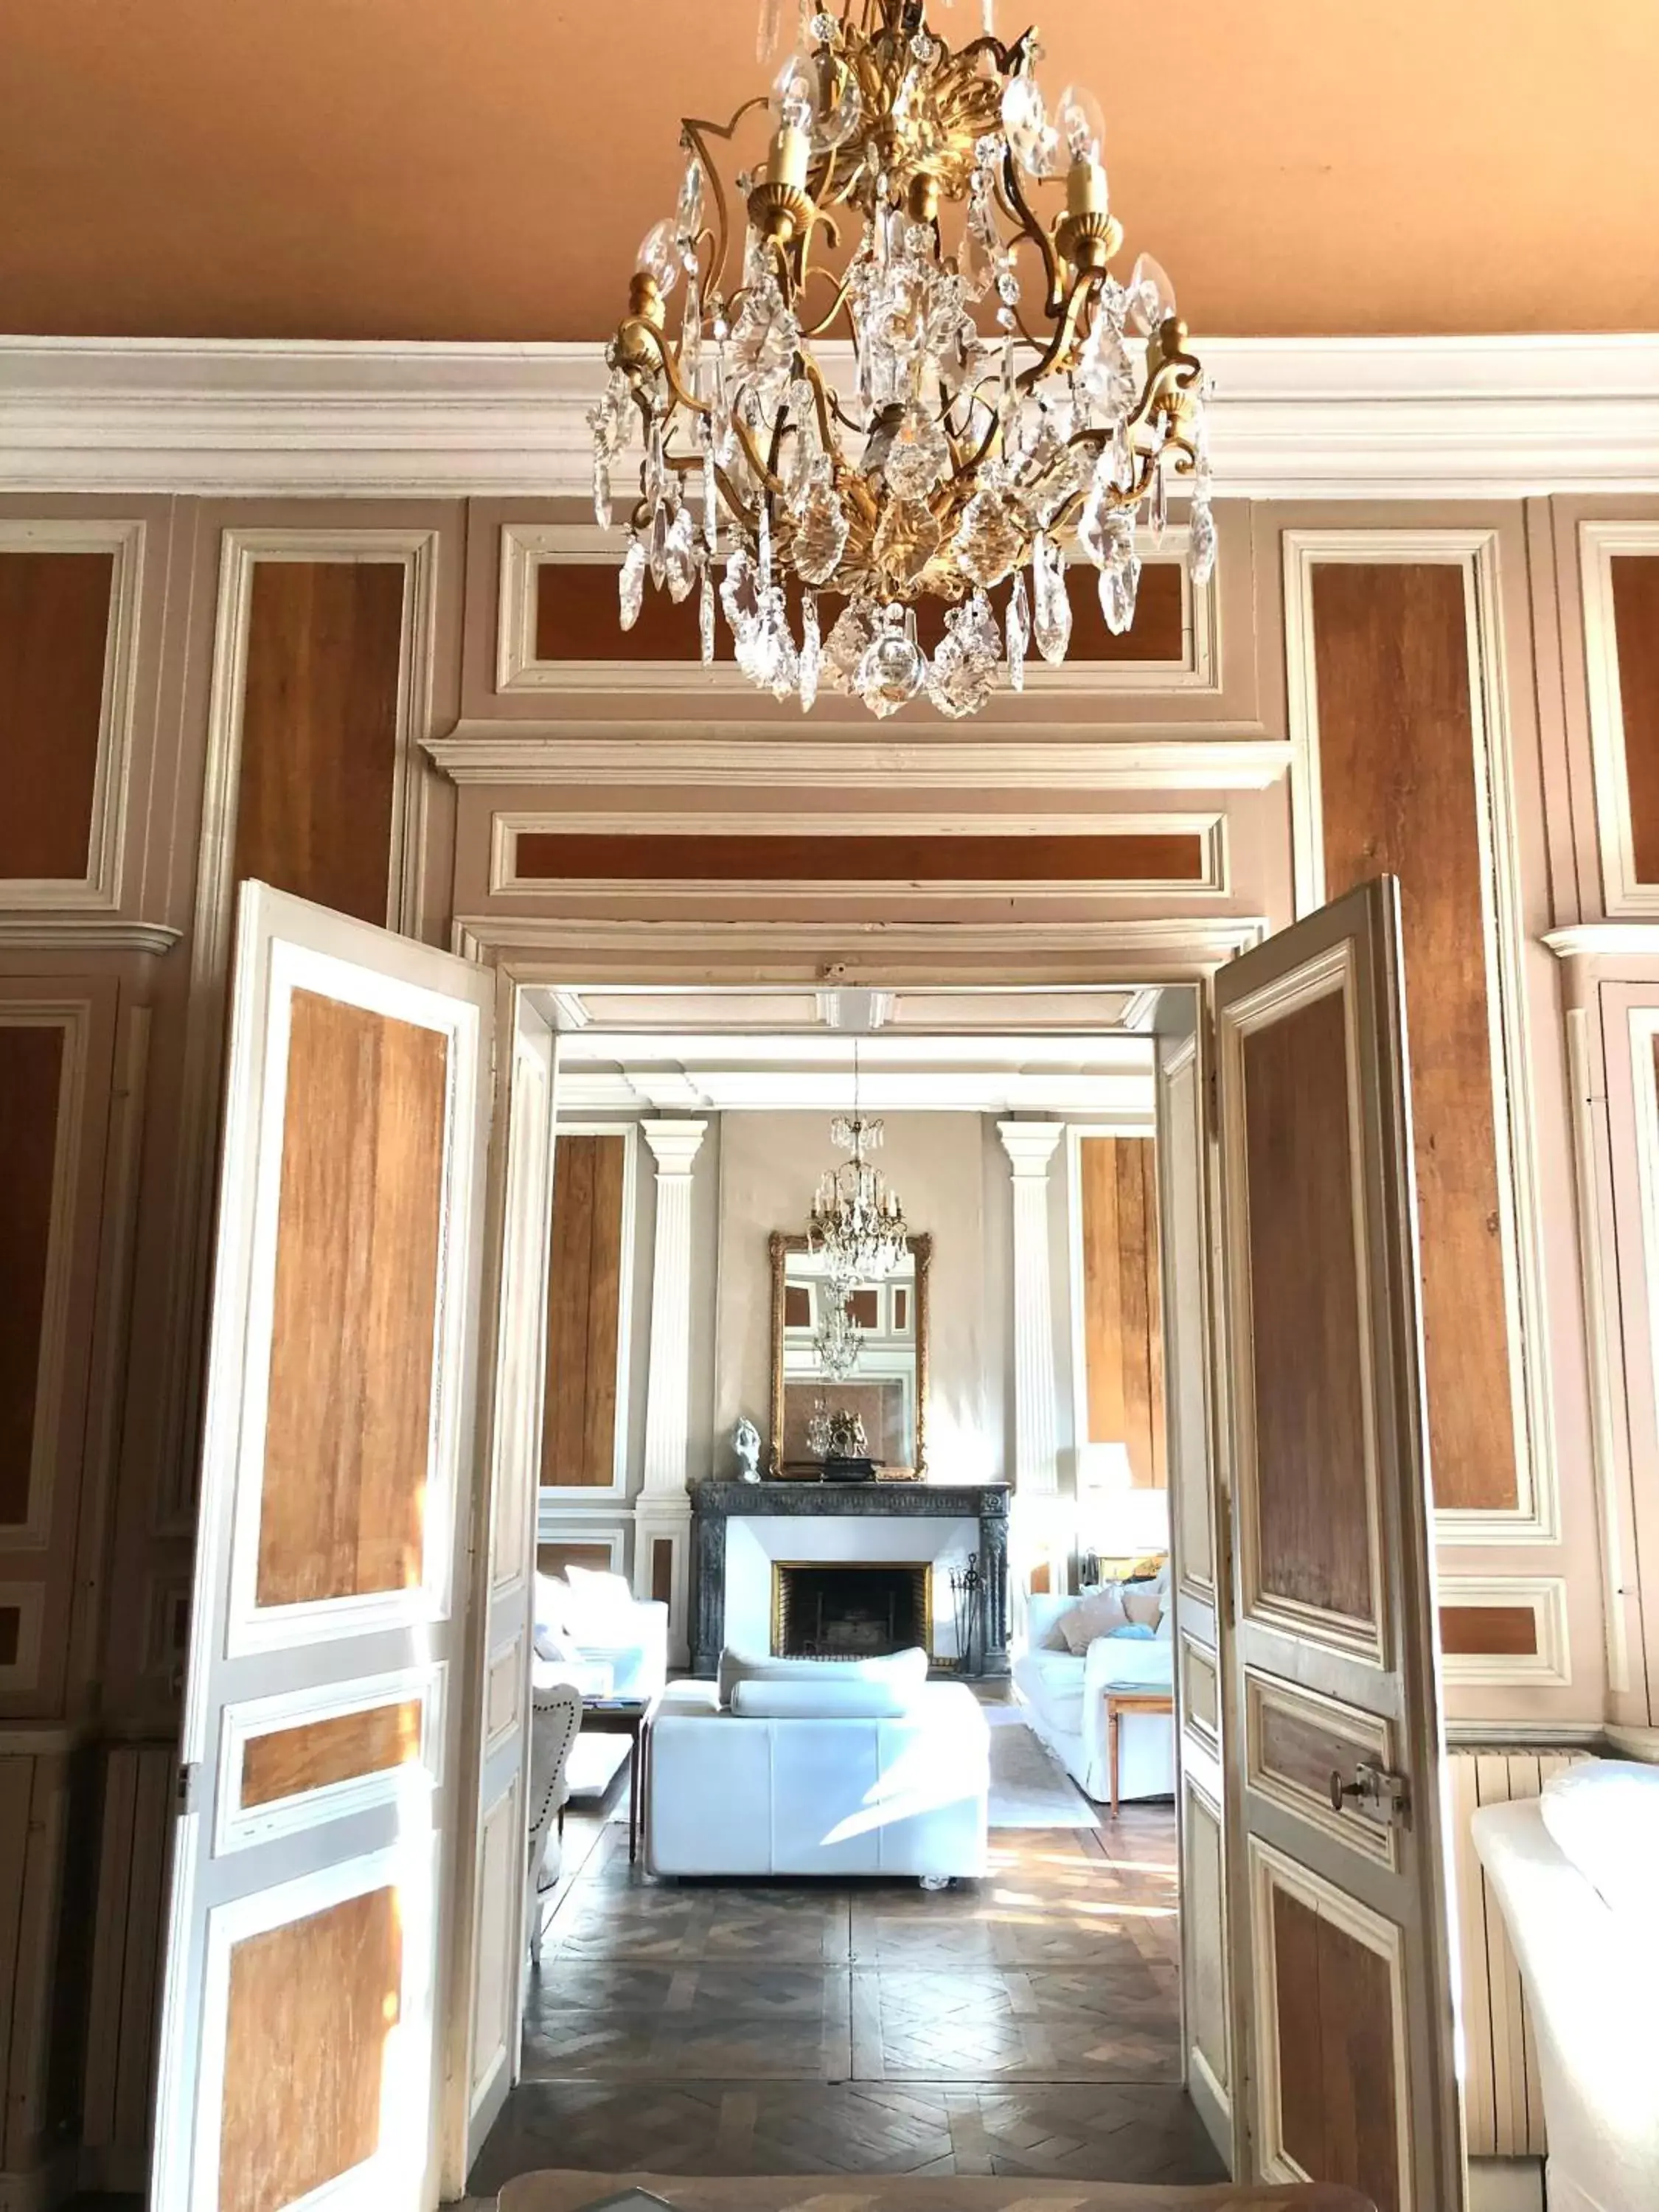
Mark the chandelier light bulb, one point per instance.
(988, 421)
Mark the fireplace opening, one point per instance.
(849, 1612)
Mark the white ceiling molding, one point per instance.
(1292, 418)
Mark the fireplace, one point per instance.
(850, 1610)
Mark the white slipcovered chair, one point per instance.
(1575, 1873)
(591, 1629)
(555, 1715)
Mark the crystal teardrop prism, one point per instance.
(706, 618)
(812, 652)
(988, 541)
(1051, 608)
(1097, 523)
(819, 525)
(631, 582)
(680, 556)
(602, 513)
(845, 647)
(1019, 629)
(964, 672)
(919, 455)
(1032, 139)
(1120, 580)
(1201, 543)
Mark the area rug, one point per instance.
(1029, 1788)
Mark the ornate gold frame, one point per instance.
(778, 1246)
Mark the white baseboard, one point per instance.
(1506, 2184)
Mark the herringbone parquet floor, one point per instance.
(1028, 2024)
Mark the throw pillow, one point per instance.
(1146, 1603)
(1097, 1614)
(1132, 1631)
(551, 1635)
(823, 1701)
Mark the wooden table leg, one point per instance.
(634, 1798)
(1111, 1748)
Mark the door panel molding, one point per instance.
(1306, 1717)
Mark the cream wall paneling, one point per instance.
(1208, 827)
(1536, 1517)
(1545, 1596)
(1446, 417)
(1600, 544)
(565, 1495)
(99, 891)
(240, 551)
(526, 547)
(416, 552)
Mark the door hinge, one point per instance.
(1375, 1791)
(185, 1786)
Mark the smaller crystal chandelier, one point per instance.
(858, 1226)
(839, 1339)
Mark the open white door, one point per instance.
(1198, 1547)
(492, 1940)
(300, 2043)
(1340, 1925)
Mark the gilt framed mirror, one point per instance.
(887, 1388)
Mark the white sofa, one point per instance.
(1065, 1697)
(1575, 1873)
(809, 1773)
(591, 1630)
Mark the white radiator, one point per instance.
(1502, 2107)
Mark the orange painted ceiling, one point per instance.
(483, 169)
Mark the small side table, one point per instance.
(632, 1717)
(1118, 1702)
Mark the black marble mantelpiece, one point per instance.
(712, 1503)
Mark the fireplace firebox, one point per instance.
(850, 1610)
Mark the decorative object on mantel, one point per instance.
(858, 1226)
(959, 459)
(746, 1443)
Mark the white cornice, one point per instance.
(1304, 418)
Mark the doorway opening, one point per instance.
(1033, 2012)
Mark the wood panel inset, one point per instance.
(1123, 1312)
(797, 1306)
(55, 612)
(576, 620)
(1312, 1526)
(662, 1570)
(11, 1634)
(348, 1430)
(1507, 1631)
(1105, 857)
(1635, 581)
(579, 1425)
(501, 1692)
(1334, 2002)
(313, 1755)
(1397, 781)
(311, 2011)
(31, 1088)
(319, 731)
(1202, 1689)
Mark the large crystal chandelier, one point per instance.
(900, 206)
(858, 1227)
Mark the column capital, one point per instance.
(1030, 1146)
(675, 1145)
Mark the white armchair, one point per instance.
(593, 1632)
(555, 1715)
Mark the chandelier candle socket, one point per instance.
(1001, 407)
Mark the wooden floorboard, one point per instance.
(1028, 2024)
